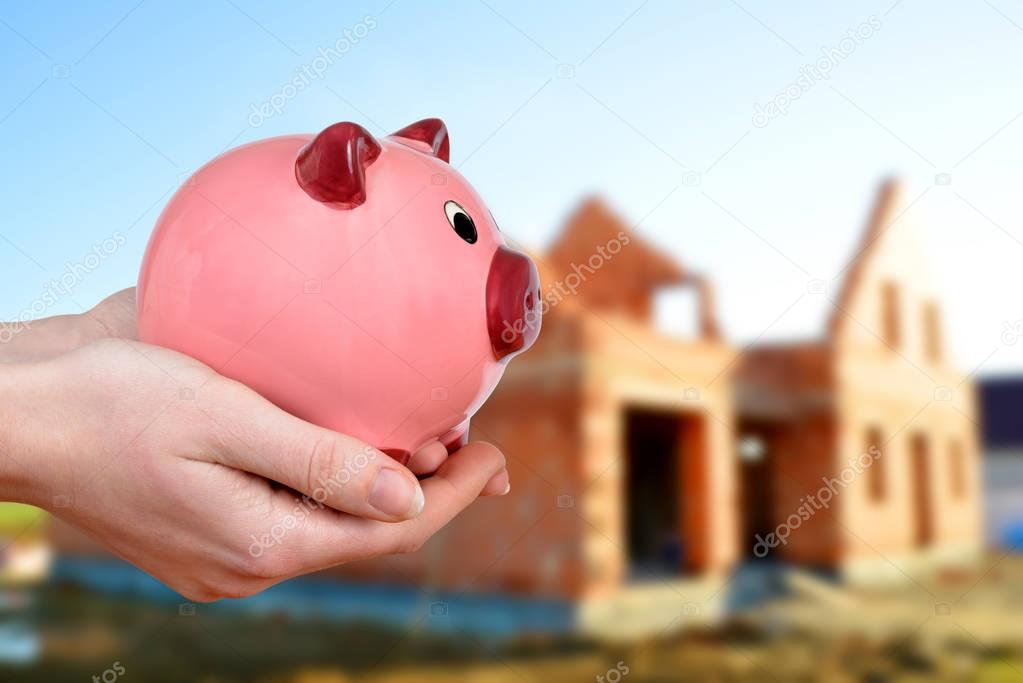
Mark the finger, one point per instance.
(325, 539)
(499, 485)
(428, 458)
(334, 469)
(454, 487)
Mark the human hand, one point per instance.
(198, 480)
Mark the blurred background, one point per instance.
(769, 430)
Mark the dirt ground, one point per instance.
(963, 626)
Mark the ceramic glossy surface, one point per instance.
(334, 275)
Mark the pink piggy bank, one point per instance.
(358, 283)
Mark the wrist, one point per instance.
(22, 342)
(46, 338)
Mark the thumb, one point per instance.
(331, 468)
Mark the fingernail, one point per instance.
(507, 482)
(396, 495)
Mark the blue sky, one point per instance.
(107, 107)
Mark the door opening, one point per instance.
(654, 483)
(757, 490)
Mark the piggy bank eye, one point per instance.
(460, 221)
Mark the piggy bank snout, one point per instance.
(513, 303)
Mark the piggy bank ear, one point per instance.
(427, 135)
(332, 168)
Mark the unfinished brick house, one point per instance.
(646, 466)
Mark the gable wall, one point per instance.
(897, 387)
